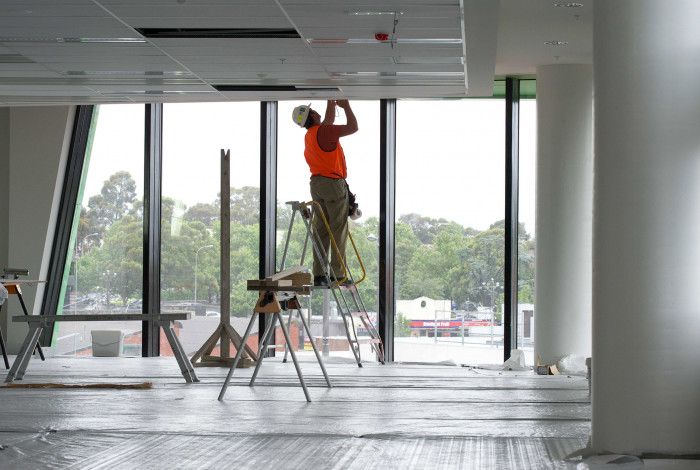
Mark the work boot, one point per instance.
(320, 281)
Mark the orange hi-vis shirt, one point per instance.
(322, 163)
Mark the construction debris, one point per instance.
(136, 386)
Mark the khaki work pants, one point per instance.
(332, 195)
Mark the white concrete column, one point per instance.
(564, 226)
(646, 254)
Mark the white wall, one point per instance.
(38, 143)
(412, 309)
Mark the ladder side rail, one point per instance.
(359, 259)
(322, 254)
(371, 329)
(303, 251)
(354, 343)
(319, 250)
(286, 242)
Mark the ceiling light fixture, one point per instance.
(135, 73)
(556, 43)
(435, 41)
(373, 13)
(568, 4)
(156, 92)
(397, 74)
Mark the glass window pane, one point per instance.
(450, 179)
(526, 243)
(104, 264)
(193, 136)
(362, 157)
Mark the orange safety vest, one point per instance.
(322, 163)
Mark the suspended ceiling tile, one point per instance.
(69, 27)
(102, 50)
(292, 78)
(232, 66)
(329, 51)
(150, 86)
(419, 91)
(274, 47)
(24, 90)
(198, 14)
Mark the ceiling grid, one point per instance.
(85, 51)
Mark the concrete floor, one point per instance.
(394, 416)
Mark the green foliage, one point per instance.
(434, 257)
(401, 326)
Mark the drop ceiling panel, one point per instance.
(198, 14)
(83, 71)
(136, 89)
(253, 78)
(327, 52)
(74, 27)
(45, 90)
(258, 47)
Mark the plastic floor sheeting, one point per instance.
(395, 416)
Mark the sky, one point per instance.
(450, 155)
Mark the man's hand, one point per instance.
(351, 126)
(329, 117)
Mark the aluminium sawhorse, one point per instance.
(268, 304)
(13, 288)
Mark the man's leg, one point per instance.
(333, 196)
(338, 220)
(318, 191)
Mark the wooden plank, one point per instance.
(103, 317)
(287, 272)
(225, 241)
(260, 284)
(304, 290)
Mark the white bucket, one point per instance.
(107, 343)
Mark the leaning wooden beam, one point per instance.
(224, 333)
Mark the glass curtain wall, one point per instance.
(450, 184)
(104, 263)
(362, 156)
(526, 236)
(193, 136)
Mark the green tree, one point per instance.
(116, 199)
(207, 214)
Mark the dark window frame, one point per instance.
(80, 137)
(268, 201)
(152, 199)
(153, 160)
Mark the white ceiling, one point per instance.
(89, 51)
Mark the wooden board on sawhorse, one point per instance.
(224, 333)
(268, 304)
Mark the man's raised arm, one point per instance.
(329, 117)
(351, 126)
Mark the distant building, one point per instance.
(424, 308)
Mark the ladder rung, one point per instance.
(367, 341)
(361, 314)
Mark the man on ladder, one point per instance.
(326, 160)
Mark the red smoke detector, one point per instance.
(381, 36)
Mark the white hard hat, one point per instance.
(300, 114)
